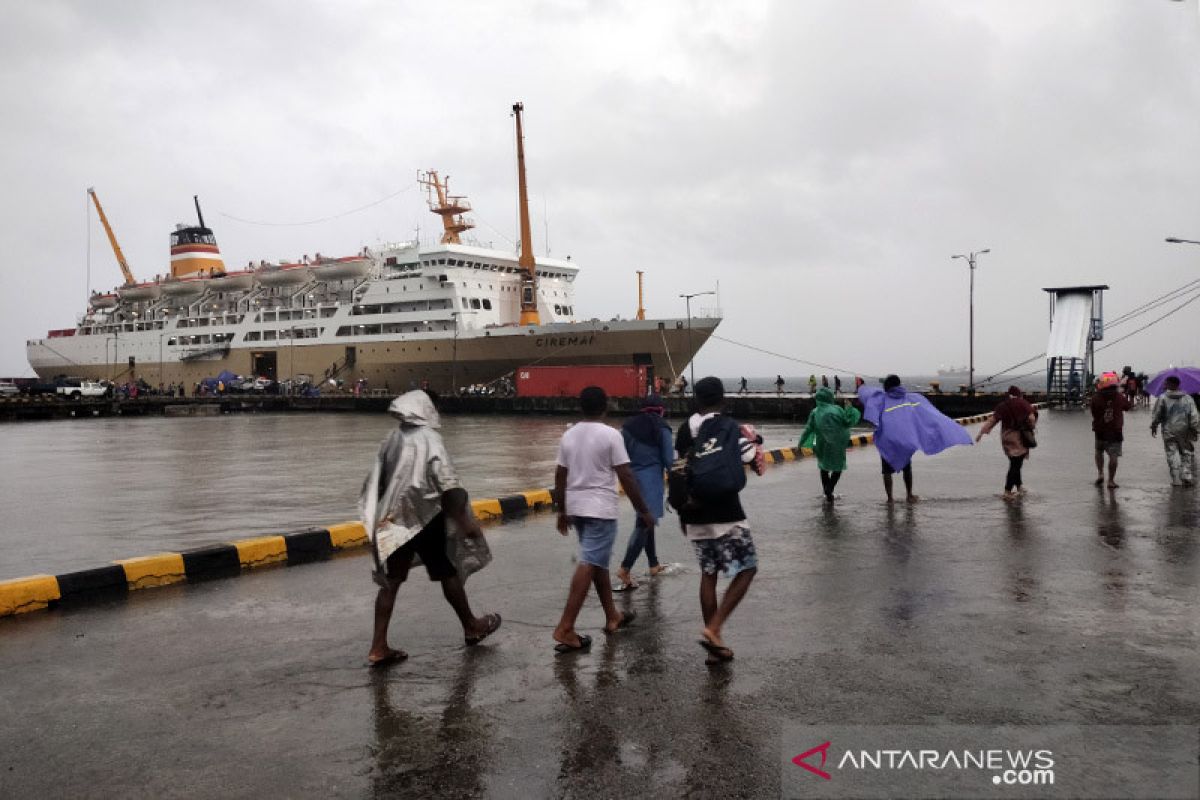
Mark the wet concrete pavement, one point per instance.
(1072, 605)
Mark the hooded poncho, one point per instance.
(411, 472)
(906, 422)
(828, 431)
(1176, 413)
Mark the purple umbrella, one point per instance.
(1189, 380)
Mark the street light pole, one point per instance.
(454, 351)
(970, 258)
(691, 353)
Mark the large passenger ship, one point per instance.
(398, 315)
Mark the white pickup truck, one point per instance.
(80, 389)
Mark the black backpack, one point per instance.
(712, 467)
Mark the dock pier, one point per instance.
(754, 406)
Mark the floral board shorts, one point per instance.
(729, 554)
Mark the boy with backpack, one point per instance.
(705, 483)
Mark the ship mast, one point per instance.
(641, 312)
(529, 310)
(449, 207)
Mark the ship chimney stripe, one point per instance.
(195, 248)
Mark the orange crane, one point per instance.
(112, 239)
(529, 306)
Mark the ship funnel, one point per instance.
(194, 249)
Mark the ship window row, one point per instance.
(392, 327)
(283, 334)
(201, 322)
(564, 310)
(396, 308)
(283, 315)
(201, 338)
(187, 237)
(476, 303)
(459, 262)
(127, 327)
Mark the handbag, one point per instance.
(468, 554)
(1029, 438)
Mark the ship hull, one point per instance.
(440, 362)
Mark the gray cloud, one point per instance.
(822, 160)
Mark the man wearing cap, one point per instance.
(648, 443)
(1108, 423)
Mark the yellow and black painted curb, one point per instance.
(217, 561)
(243, 555)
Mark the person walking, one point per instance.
(906, 422)
(1175, 412)
(812, 384)
(744, 388)
(648, 441)
(1018, 420)
(410, 497)
(711, 511)
(827, 434)
(837, 384)
(779, 384)
(824, 381)
(1108, 423)
(591, 460)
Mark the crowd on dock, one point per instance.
(414, 506)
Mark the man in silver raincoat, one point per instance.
(409, 501)
(1176, 413)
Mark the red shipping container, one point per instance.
(618, 380)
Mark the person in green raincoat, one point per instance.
(828, 435)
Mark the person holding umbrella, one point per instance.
(1175, 412)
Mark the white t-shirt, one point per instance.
(590, 451)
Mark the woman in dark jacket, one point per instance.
(1015, 415)
(649, 444)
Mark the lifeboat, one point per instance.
(232, 281)
(340, 269)
(150, 290)
(104, 300)
(184, 287)
(283, 274)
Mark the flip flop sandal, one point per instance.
(394, 657)
(627, 619)
(716, 651)
(585, 642)
(493, 626)
(625, 587)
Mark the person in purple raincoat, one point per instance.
(906, 422)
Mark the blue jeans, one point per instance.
(639, 539)
(596, 539)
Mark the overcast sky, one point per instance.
(822, 160)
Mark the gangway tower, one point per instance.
(1076, 324)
